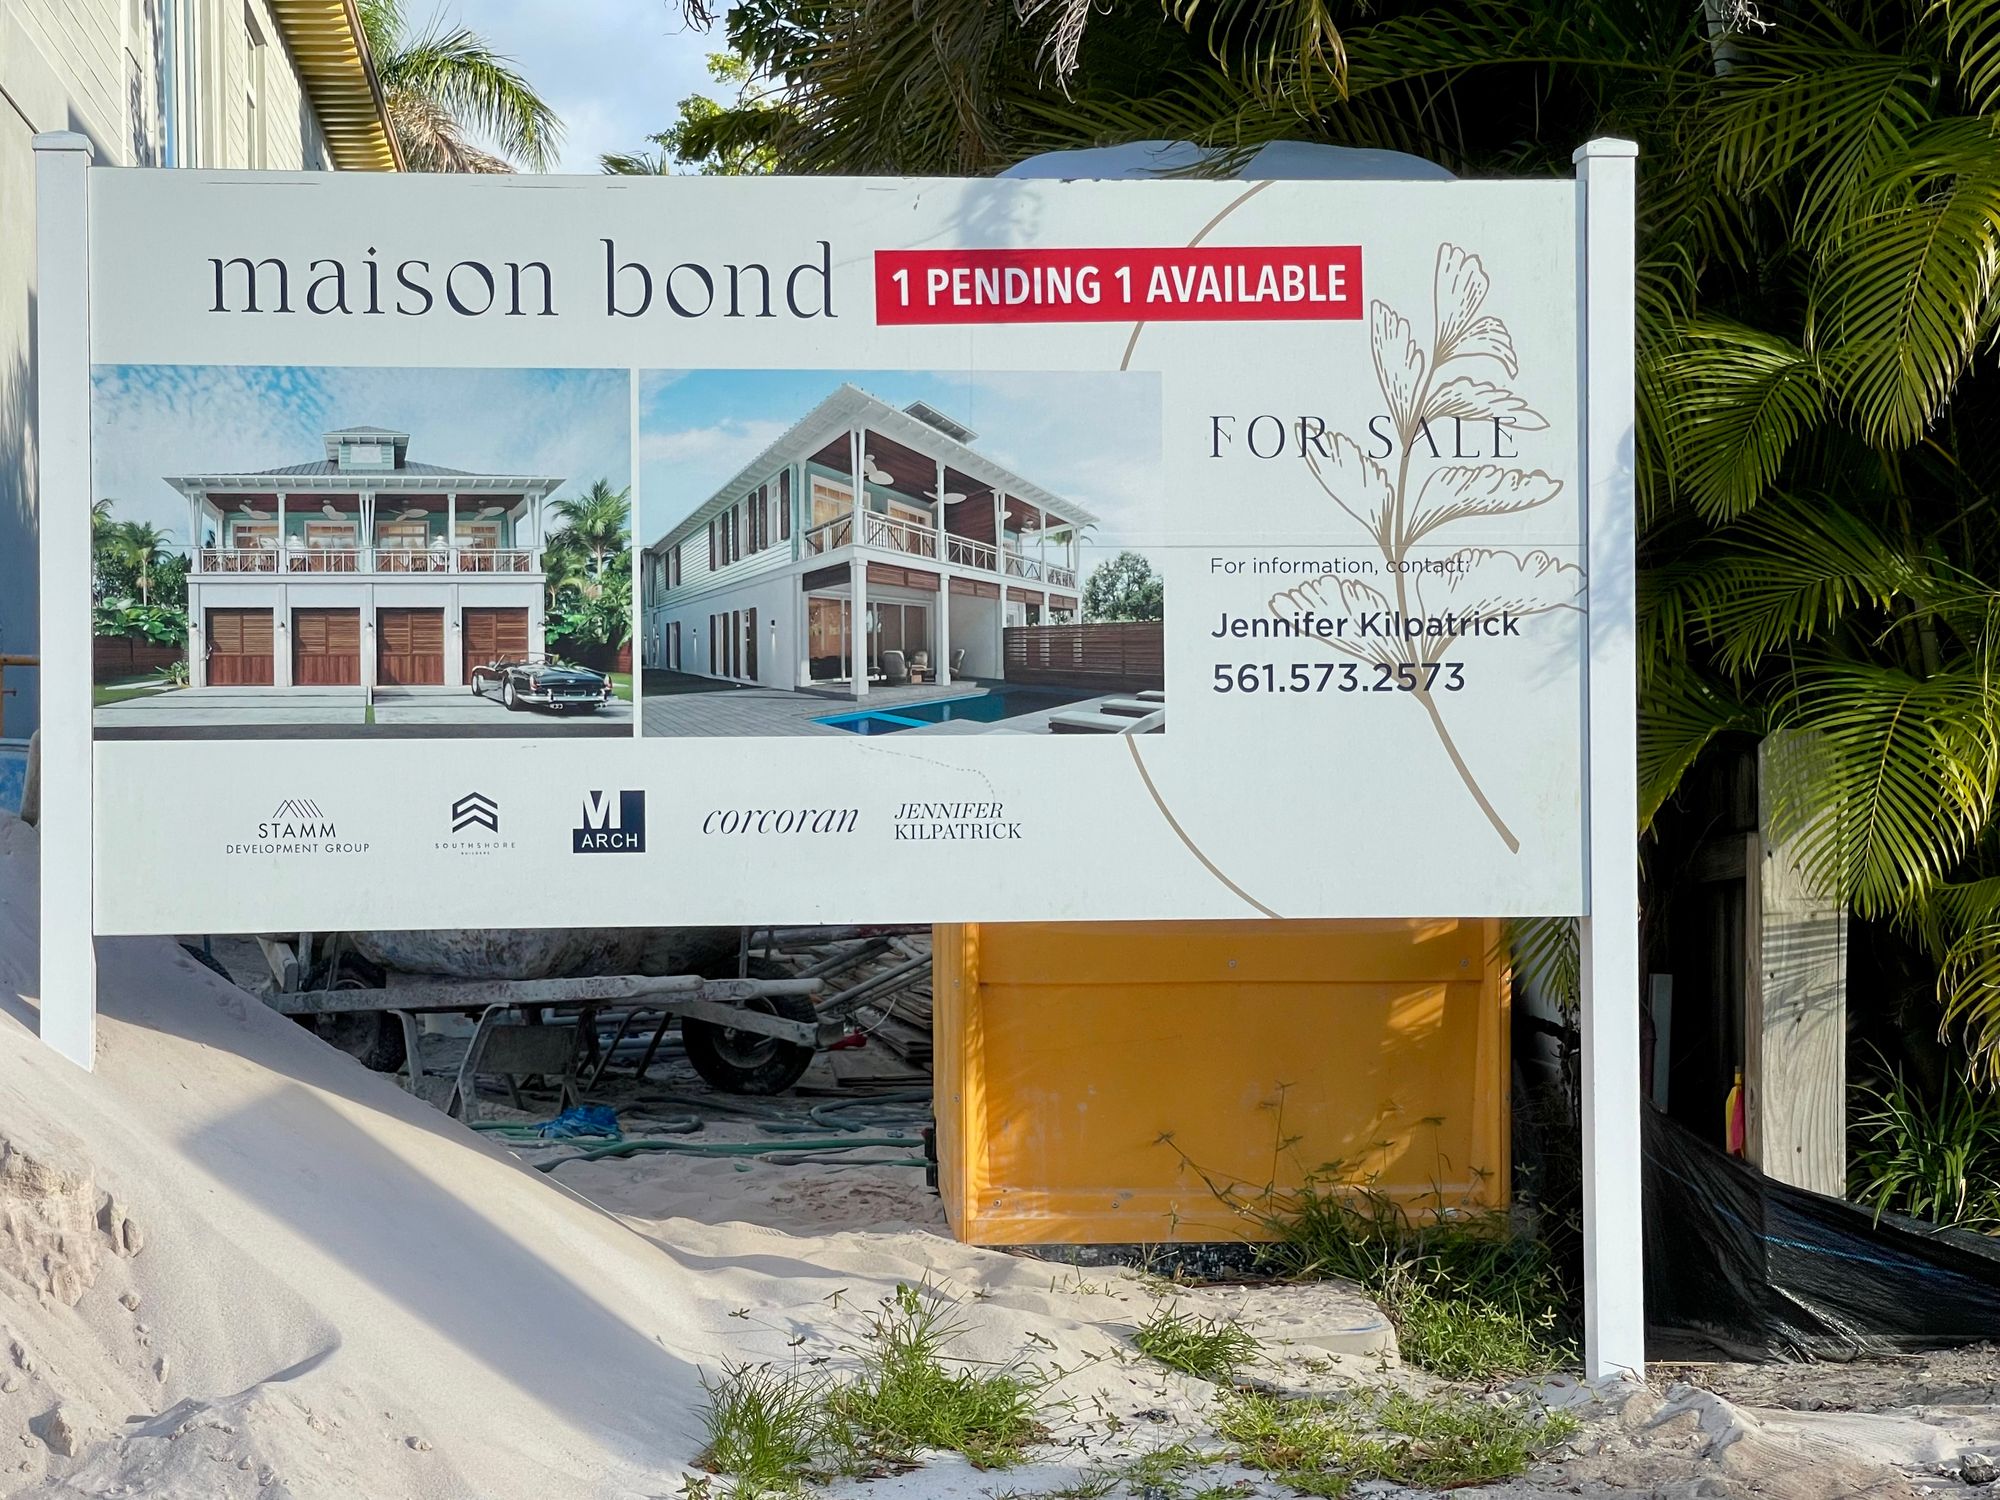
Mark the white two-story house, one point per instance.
(361, 569)
(864, 530)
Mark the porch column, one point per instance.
(938, 514)
(194, 531)
(1000, 633)
(857, 575)
(944, 630)
(281, 634)
(855, 439)
(368, 647)
(281, 565)
(451, 530)
(1000, 533)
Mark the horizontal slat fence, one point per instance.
(1111, 655)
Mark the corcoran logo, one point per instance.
(611, 827)
(475, 810)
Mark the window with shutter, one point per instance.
(711, 546)
(785, 506)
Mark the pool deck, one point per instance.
(700, 706)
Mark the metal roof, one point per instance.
(847, 407)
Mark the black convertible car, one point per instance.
(543, 682)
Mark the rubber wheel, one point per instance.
(748, 1062)
(507, 696)
(373, 1038)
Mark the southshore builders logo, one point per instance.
(299, 825)
(469, 814)
(611, 825)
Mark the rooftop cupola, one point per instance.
(366, 450)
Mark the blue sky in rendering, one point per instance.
(1092, 437)
(151, 421)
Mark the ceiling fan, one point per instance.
(245, 508)
(329, 511)
(950, 497)
(414, 513)
(875, 472)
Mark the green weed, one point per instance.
(767, 1429)
(1325, 1447)
(905, 1399)
(1207, 1349)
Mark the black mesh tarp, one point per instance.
(1764, 1270)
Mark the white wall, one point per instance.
(975, 630)
(775, 598)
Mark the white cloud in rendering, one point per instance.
(154, 421)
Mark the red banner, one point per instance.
(1238, 283)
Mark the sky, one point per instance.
(1087, 436)
(614, 70)
(150, 421)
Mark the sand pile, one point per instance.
(238, 1264)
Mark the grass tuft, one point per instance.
(1469, 1299)
(767, 1429)
(1325, 1447)
(905, 1399)
(1208, 1349)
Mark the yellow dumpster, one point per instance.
(1140, 1082)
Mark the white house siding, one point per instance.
(775, 597)
(94, 66)
(748, 581)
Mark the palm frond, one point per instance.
(1907, 280)
(1680, 715)
(458, 71)
(1893, 781)
(1789, 572)
(1734, 399)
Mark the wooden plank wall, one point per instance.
(1110, 655)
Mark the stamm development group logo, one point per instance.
(299, 825)
(611, 827)
(475, 810)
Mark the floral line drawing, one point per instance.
(1423, 386)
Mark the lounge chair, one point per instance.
(958, 662)
(1127, 708)
(920, 666)
(895, 668)
(1078, 721)
(1153, 695)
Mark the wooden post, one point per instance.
(1795, 1000)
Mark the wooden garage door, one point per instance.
(494, 634)
(239, 648)
(410, 647)
(326, 647)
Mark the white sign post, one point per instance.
(1373, 440)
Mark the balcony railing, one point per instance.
(894, 535)
(900, 536)
(365, 560)
(1022, 566)
(969, 553)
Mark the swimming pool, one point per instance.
(979, 708)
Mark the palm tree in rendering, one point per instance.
(144, 546)
(445, 84)
(597, 522)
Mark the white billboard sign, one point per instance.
(891, 449)
(987, 550)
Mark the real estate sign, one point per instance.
(530, 551)
(509, 551)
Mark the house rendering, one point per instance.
(865, 512)
(363, 568)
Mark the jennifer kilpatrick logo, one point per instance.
(299, 825)
(613, 823)
(471, 813)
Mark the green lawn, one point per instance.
(621, 685)
(102, 693)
